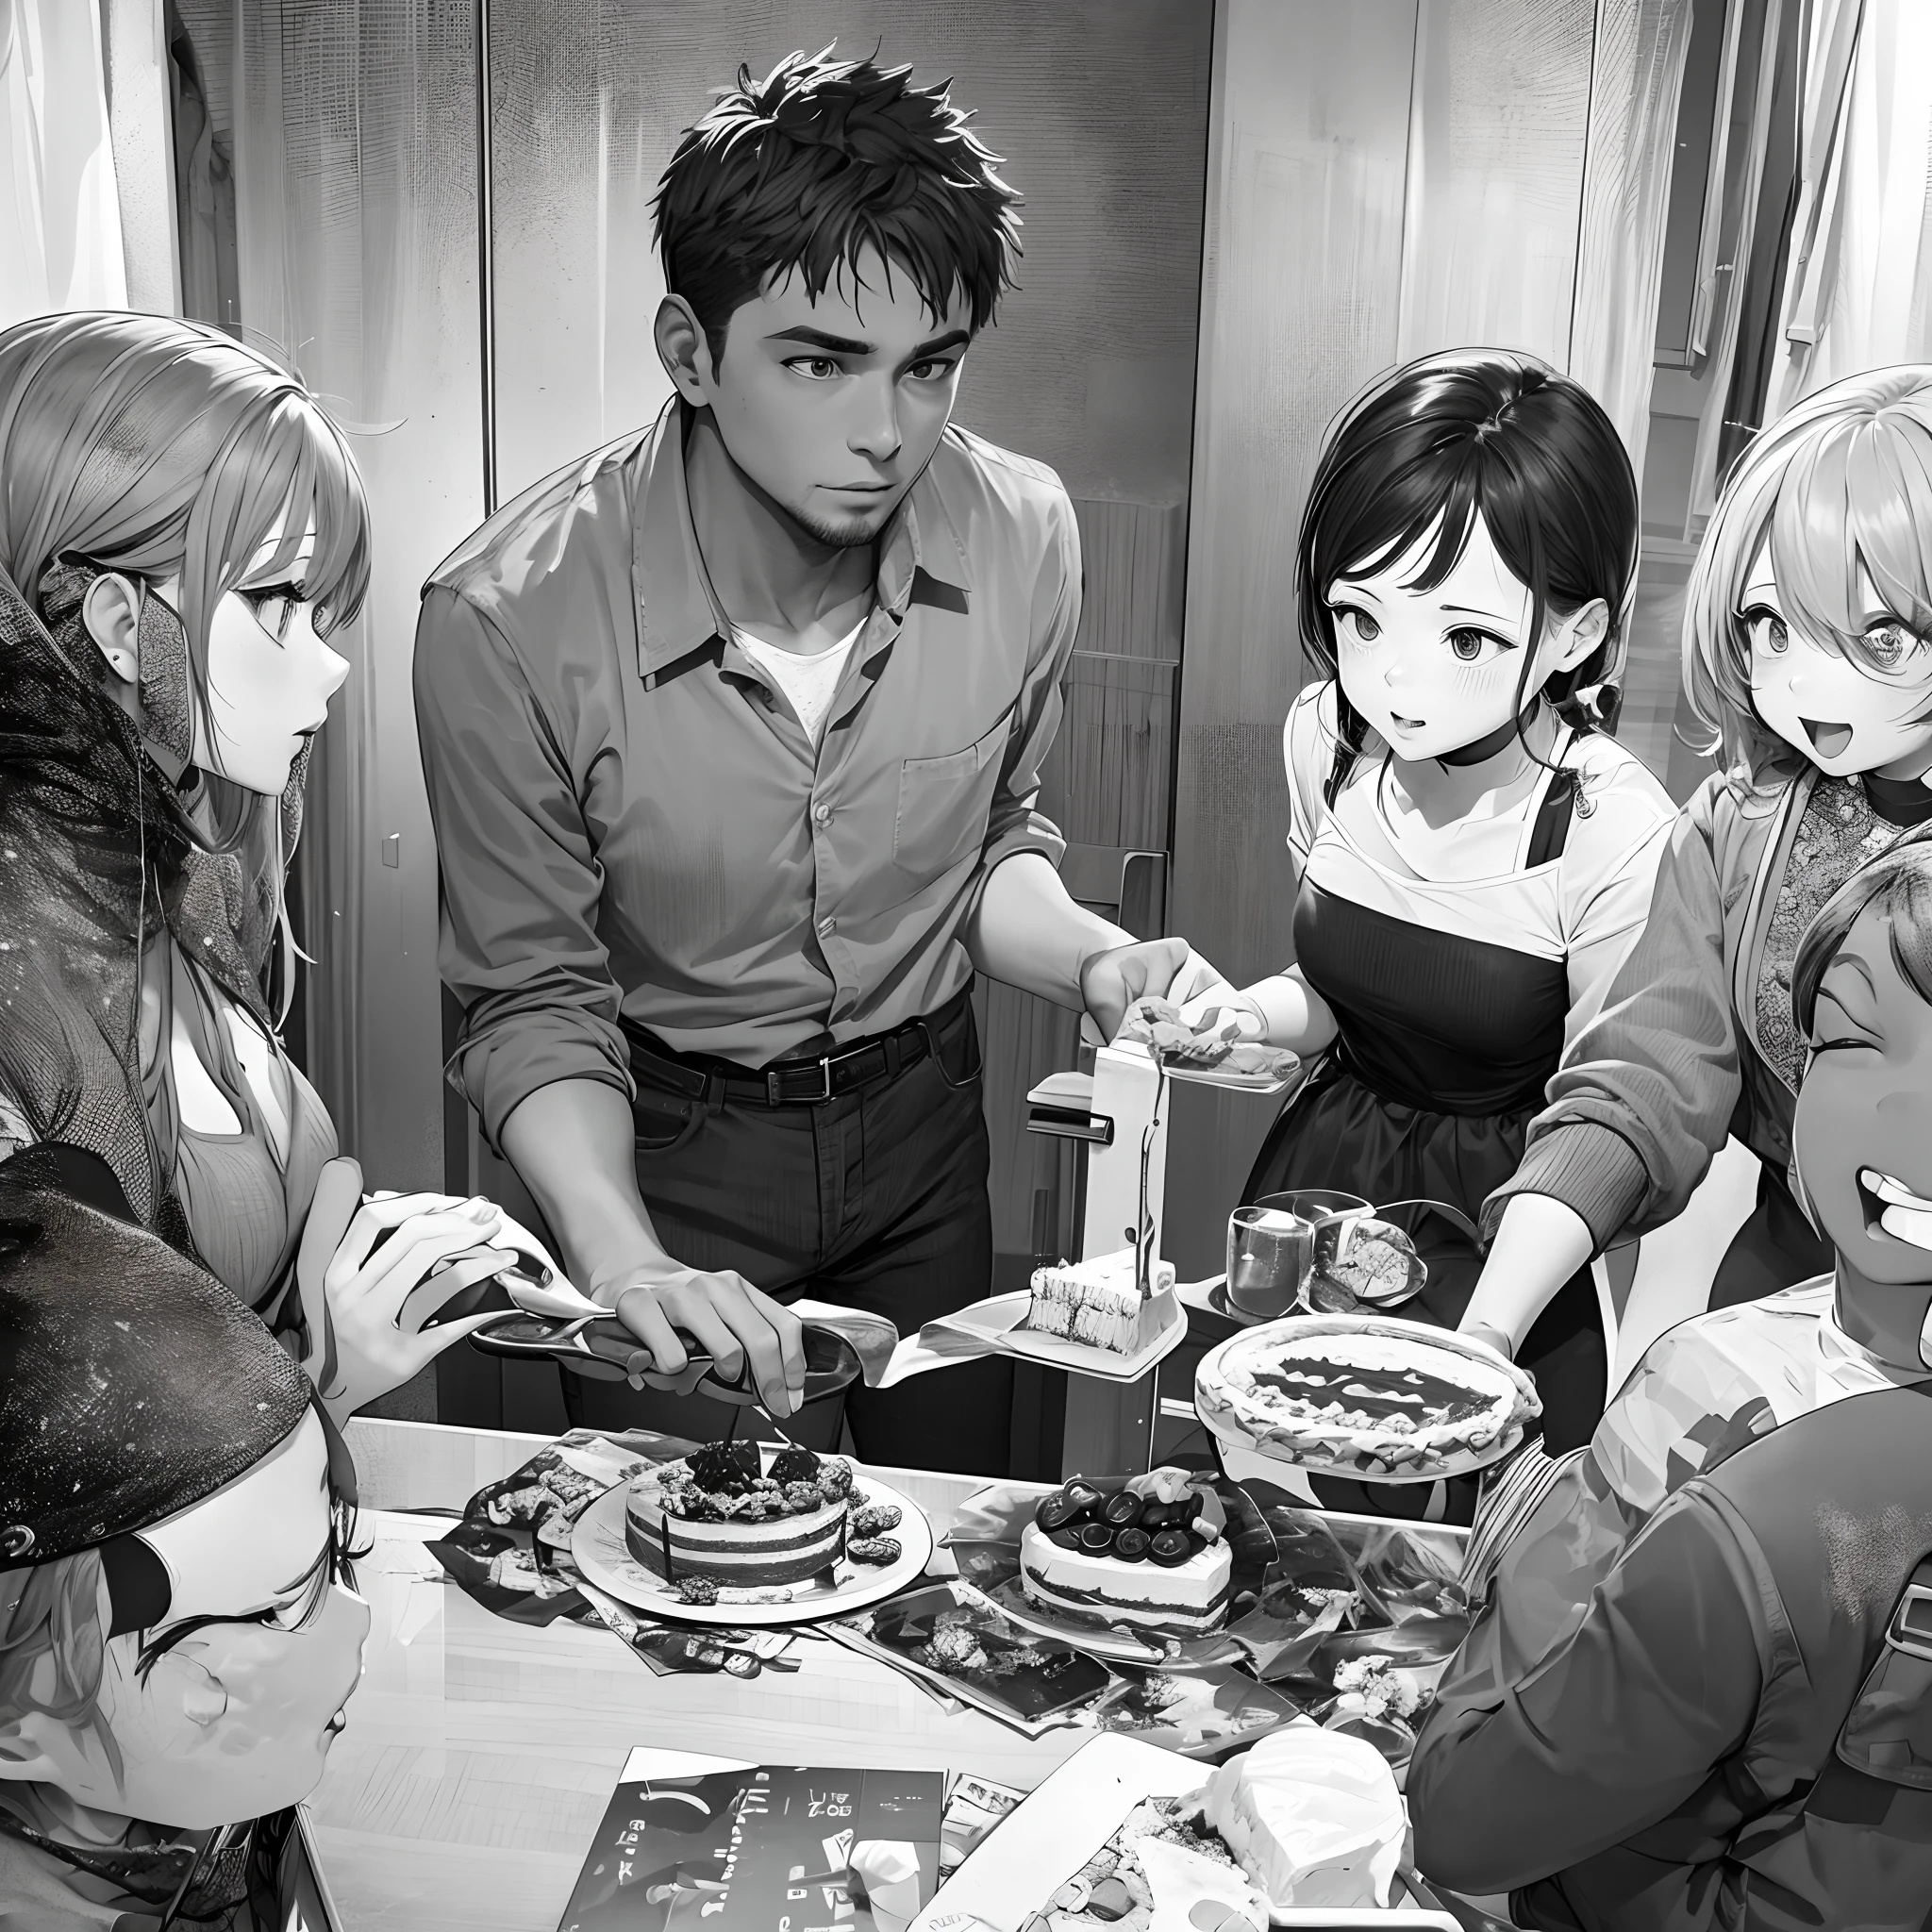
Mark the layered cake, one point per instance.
(1366, 1396)
(1149, 1554)
(1099, 1303)
(747, 1516)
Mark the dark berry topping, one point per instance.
(1131, 1545)
(1170, 1548)
(1122, 1510)
(1095, 1537)
(1056, 1511)
(1066, 1539)
(795, 1466)
(726, 1468)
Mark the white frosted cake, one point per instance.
(1149, 1554)
(742, 1516)
(1366, 1395)
(1099, 1303)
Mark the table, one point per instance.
(480, 1754)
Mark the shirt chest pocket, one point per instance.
(944, 803)
(1889, 1733)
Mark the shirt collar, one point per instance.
(677, 610)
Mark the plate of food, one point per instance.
(751, 1534)
(1305, 1828)
(1087, 1316)
(1367, 1396)
(1213, 1054)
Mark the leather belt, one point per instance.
(797, 1082)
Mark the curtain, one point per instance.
(1857, 290)
(1638, 73)
(1752, 175)
(59, 210)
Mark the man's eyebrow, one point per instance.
(953, 338)
(821, 339)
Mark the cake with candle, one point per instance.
(749, 1516)
(1366, 1396)
(1148, 1554)
(1099, 1303)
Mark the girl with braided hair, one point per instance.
(182, 530)
(1473, 857)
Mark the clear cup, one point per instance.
(1271, 1247)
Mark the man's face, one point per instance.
(1843, 716)
(1863, 1134)
(833, 407)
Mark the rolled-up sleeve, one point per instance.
(1644, 1097)
(521, 882)
(1529, 1767)
(1014, 823)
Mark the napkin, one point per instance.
(1313, 1815)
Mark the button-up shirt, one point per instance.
(630, 819)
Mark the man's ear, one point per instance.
(22, 1758)
(685, 351)
(111, 613)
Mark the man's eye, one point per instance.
(816, 368)
(1847, 1042)
(936, 369)
(1469, 647)
(1357, 623)
(1768, 632)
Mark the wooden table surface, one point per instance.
(479, 1753)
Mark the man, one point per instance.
(733, 735)
(1699, 1690)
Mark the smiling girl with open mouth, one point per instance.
(1806, 654)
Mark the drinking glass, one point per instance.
(1271, 1247)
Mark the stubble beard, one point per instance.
(851, 534)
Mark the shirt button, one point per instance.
(822, 813)
(827, 928)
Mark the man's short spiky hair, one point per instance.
(823, 158)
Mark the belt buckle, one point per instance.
(773, 1075)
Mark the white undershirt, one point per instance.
(808, 683)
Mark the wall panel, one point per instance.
(1300, 299)
(1498, 116)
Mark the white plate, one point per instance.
(1225, 1428)
(598, 1548)
(1036, 1848)
(997, 1323)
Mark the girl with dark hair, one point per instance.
(1472, 857)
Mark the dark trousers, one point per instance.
(1776, 1248)
(876, 1200)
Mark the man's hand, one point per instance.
(728, 1319)
(1111, 981)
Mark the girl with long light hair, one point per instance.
(182, 531)
(1807, 658)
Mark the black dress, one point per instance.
(1452, 1001)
